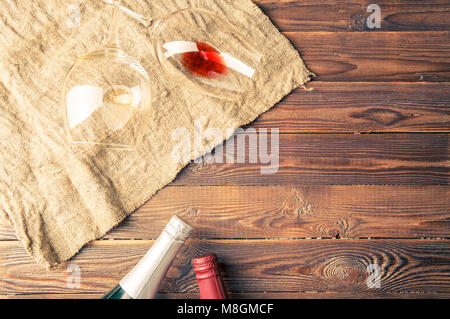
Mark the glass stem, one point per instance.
(114, 27)
(146, 22)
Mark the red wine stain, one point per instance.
(207, 62)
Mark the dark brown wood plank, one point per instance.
(292, 212)
(297, 212)
(330, 15)
(380, 56)
(337, 159)
(341, 107)
(406, 266)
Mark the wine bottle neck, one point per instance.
(143, 281)
(211, 287)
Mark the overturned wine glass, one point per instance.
(107, 94)
(204, 53)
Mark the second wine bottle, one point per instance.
(210, 283)
(143, 281)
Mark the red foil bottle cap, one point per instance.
(206, 264)
(210, 283)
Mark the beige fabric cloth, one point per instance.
(58, 201)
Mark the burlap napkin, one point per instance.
(58, 200)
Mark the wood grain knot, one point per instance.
(345, 272)
(358, 22)
(294, 205)
(380, 116)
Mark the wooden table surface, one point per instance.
(363, 177)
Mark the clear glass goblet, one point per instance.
(107, 96)
(204, 53)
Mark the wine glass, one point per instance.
(204, 53)
(201, 51)
(107, 96)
